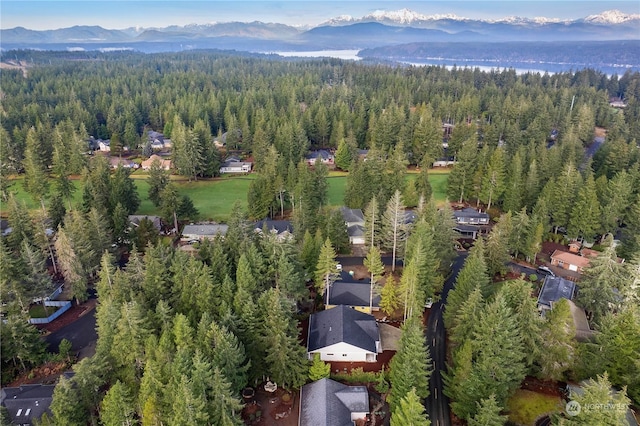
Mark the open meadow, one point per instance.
(214, 198)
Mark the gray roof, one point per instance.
(280, 226)
(470, 212)
(554, 289)
(136, 219)
(355, 231)
(27, 402)
(329, 403)
(347, 291)
(230, 163)
(352, 215)
(343, 325)
(321, 153)
(205, 230)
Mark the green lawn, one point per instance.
(214, 198)
(524, 407)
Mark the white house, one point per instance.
(354, 219)
(343, 334)
(235, 167)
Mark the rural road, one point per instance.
(437, 403)
(81, 333)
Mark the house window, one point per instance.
(560, 263)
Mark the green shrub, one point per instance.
(357, 375)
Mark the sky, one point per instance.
(119, 14)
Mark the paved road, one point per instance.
(437, 403)
(81, 333)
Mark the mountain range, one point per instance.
(381, 28)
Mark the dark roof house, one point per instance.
(471, 216)
(281, 228)
(343, 334)
(26, 403)
(329, 403)
(554, 289)
(352, 293)
(136, 219)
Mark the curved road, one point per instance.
(437, 403)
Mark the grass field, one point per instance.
(525, 407)
(214, 198)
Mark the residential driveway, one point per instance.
(389, 337)
(81, 333)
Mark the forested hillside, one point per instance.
(181, 335)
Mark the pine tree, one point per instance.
(422, 184)
(337, 229)
(157, 180)
(585, 216)
(374, 265)
(372, 229)
(459, 185)
(71, 266)
(326, 272)
(488, 413)
(36, 181)
(390, 296)
(600, 282)
(394, 232)
(117, 407)
(411, 365)
(464, 321)
(558, 348)
(598, 393)
(473, 274)
(285, 360)
(410, 411)
(497, 248)
(344, 155)
(319, 369)
(493, 179)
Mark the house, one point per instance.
(554, 289)
(322, 155)
(5, 228)
(575, 246)
(104, 145)
(135, 220)
(329, 403)
(584, 333)
(343, 334)
(569, 261)
(235, 166)
(362, 154)
(354, 219)
(115, 162)
(164, 164)
(470, 216)
(282, 229)
(355, 294)
(26, 403)
(158, 141)
(202, 232)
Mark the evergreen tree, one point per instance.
(285, 360)
(422, 184)
(394, 232)
(124, 190)
(326, 272)
(36, 181)
(493, 179)
(158, 179)
(319, 369)
(558, 348)
(372, 230)
(585, 216)
(374, 264)
(464, 321)
(600, 282)
(459, 184)
(71, 266)
(344, 155)
(497, 248)
(411, 365)
(488, 413)
(410, 411)
(337, 229)
(117, 407)
(390, 296)
(598, 393)
(472, 275)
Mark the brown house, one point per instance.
(569, 261)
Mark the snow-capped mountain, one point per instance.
(612, 17)
(407, 17)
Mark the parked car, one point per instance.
(546, 270)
